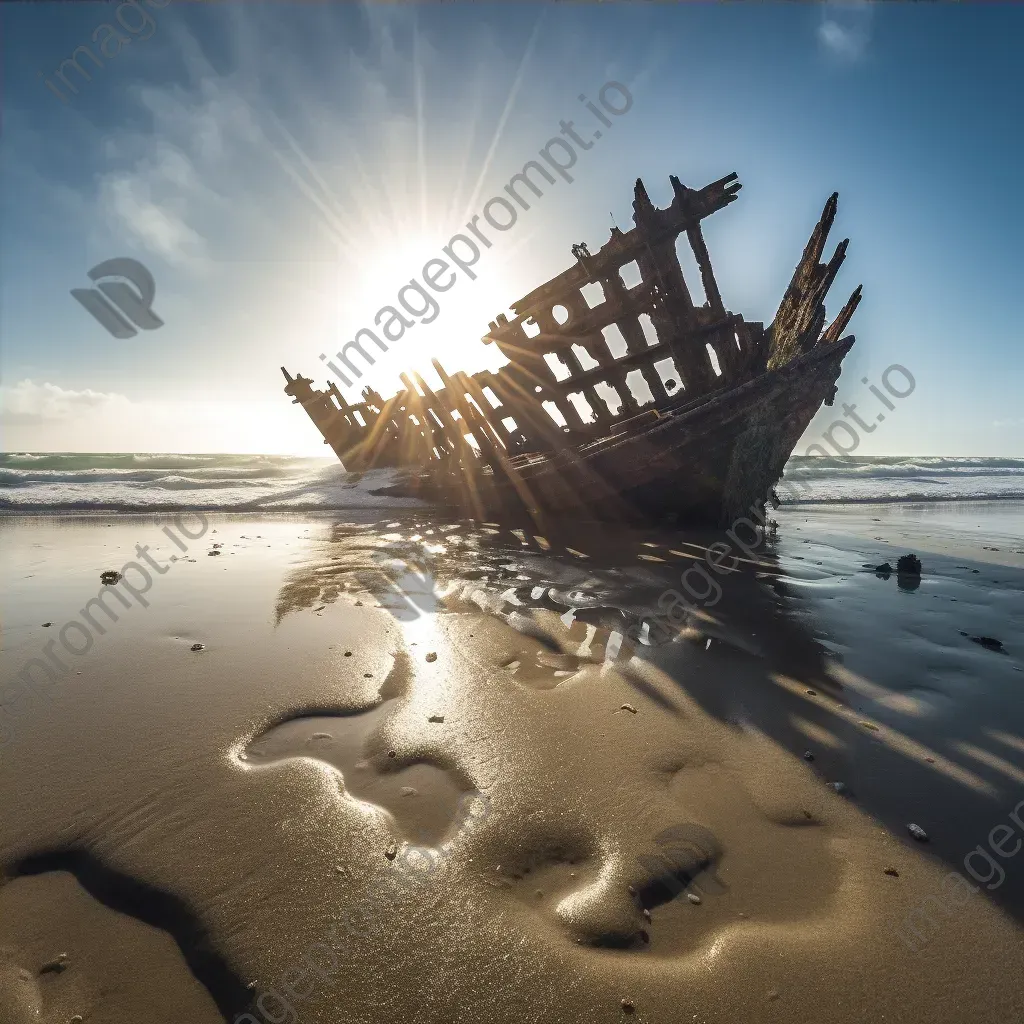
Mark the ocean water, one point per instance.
(255, 483)
(152, 483)
(900, 479)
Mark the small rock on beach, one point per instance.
(908, 565)
(56, 965)
(988, 642)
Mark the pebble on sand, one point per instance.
(693, 898)
(629, 708)
(56, 965)
(391, 852)
(988, 642)
(892, 872)
(198, 647)
(110, 577)
(45, 624)
(431, 656)
(918, 833)
(627, 1006)
(436, 718)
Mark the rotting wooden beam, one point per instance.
(525, 407)
(448, 428)
(472, 463)
(834, 331)
(456, 395)
(695, 237)
(802, 305)
(419, 405)
(524, 493)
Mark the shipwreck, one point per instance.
(559, 431)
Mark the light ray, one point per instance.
(509, 103)
(417, 68)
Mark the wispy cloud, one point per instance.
(845, 28)
(45, 416)
(29, 402)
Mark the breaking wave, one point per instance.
(32, 482)
(40, 482)
(895, 478)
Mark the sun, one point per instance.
(447, 323)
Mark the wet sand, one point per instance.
(421, 771)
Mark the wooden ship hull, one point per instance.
(729, 399)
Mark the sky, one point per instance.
(282, 170)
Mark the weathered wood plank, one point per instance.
(834, 331)
(791, 331)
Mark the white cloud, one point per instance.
(27, 403)
(47, 417)
(135, 203)
(845, 28)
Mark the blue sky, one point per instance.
(282, 169)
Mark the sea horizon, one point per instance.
(177, 481)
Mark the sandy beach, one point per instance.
(422, 770)
(709, 307)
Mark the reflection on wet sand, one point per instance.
(752, 654)
(423, 798)
(662, 824)
(574, 609)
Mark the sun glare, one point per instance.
(447, 324)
